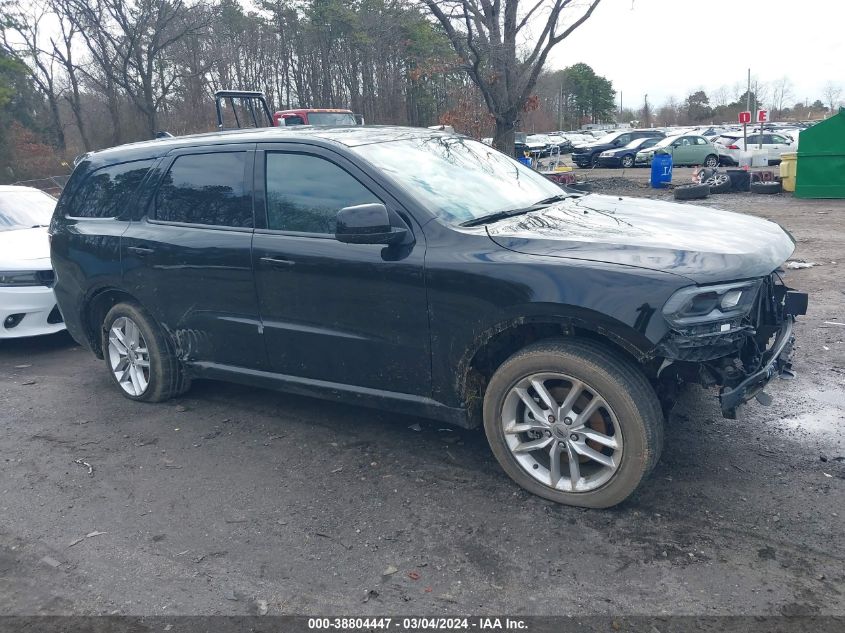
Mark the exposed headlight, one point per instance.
(702, 304)
(20, 278)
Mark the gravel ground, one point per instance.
(231, 497)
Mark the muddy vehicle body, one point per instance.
(467, 289)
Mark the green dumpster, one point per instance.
(821, 159)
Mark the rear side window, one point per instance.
(304, 193)
(106, 192)
(206, 189)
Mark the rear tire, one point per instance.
(691, 192)
(144, 369)
(613, 453)
(766, 187)
(711, 161)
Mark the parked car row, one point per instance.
(690, 145)
(588, 155)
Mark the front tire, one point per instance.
(628, 161)
(139, 357)
(574, 423)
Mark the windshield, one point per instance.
(25, 209)
(642, 143)
(609, 138)
(459, 179)
(666, 142)
(331, 118)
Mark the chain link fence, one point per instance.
(51, 184)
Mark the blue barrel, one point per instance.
(525, 160)
(661, 170)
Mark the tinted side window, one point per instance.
(106, 192)
(700, 140)
(624, 139)
(304, 193)
(206, 189)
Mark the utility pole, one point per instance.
(747, 109)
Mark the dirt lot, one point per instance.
(231, 495)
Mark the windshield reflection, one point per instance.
(457, 178)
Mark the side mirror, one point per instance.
(367, 224)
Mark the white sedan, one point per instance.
(27, 304)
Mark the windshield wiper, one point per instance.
(509, 213)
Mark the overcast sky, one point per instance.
(672, 47)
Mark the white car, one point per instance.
(730, 146)
(27, 304)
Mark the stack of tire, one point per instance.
(712, 181)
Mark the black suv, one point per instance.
(424, 273)
(588, 155)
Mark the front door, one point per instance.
(350, 314)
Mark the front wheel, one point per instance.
(139, 358)
(628, 160)
(574, 423)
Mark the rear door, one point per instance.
(349, 314)
(701, 150)
(776, 145)
(187, 256)
(683, 151)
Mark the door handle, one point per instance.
(141, 251)
(278, 262)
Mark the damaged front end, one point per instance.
(736, 336)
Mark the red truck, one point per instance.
(250, 106)
(314, 116)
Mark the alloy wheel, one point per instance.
(129, 357)
(562, 432)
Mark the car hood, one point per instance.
(25, 249)
(704, 245)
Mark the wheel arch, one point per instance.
(94, 312)
(496, 344)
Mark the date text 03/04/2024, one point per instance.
(417, 624)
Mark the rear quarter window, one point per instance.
(106, 192)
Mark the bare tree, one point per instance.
(486, 36)
(134, 38)
(22, 38)
(832, 94)
(781, 94)
(62, 49)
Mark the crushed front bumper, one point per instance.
(779, 362)
(741, 355)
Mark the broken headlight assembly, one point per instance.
(705, 305)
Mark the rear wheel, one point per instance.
(571, 422)
(766, 187)
(691, 191)
(628, 160)
(711, 161)
(139, 357)
(718, 183)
